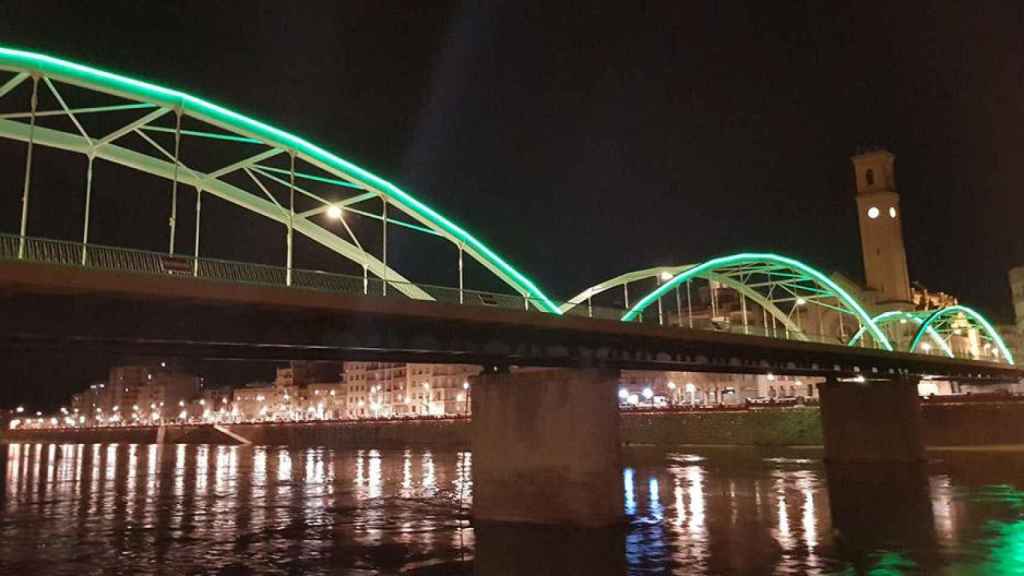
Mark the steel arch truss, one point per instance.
(965, 332)
(898, 319)
(272, 173)
(788, 292)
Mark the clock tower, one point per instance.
(881, 228)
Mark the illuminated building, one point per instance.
(384, 389)
(881, 231)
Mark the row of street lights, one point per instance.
(625, 397)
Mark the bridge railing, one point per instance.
(65, 253)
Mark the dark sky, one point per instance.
(582, 142)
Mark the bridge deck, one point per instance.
(56, 306)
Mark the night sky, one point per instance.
(583, 142)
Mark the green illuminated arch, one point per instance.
(799, 271)
(896, 315)
(942, 314)
(656, 272)
(242, 128)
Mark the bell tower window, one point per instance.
(869, 177)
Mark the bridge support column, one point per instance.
(872, 421)
(546, 448)
(4, 447)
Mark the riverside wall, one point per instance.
(944, 425)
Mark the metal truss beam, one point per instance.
(165, 169)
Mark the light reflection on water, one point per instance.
(146, 509)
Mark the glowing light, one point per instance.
(648, 393)
(666, 276)
(873, 212)
(623, 393)
(15, 423)
(690, 387)
(800, 301)
(465, 385)
(892, 212)
(19, 409)
(334, 212)
(671, 385)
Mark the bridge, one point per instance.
(740, 313)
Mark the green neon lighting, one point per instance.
(893, 315)
(313, 177)
(970, 313)
(220, 115)
(749, 258)
(201, 134)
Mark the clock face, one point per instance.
(873, 212)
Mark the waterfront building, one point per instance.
(253, 401)
(668, 388)
(325, 400)
(84, 403)
(385, 389)
(136, 393)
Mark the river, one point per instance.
(147, 509)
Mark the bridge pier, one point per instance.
(3, 470)
(546, 448)
(877, 421)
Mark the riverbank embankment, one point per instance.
(973, 424)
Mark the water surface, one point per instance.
(146, 509)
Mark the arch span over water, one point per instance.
(903, 316)
(159, 100)
(733, 271)
(939, 321)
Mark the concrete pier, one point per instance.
(875, 421)
(3, 472)
(546, 448)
